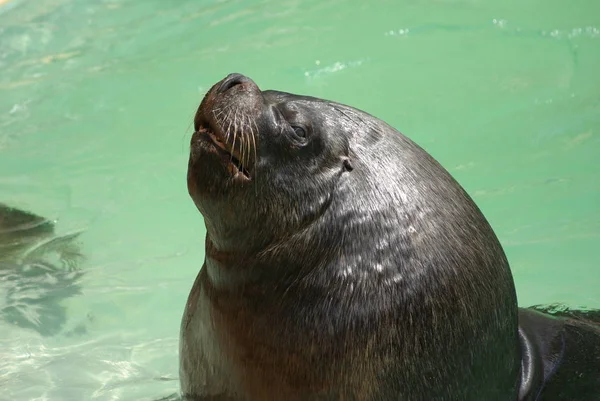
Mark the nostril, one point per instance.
(230, 81)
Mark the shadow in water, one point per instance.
(38, 270)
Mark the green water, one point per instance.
(96, 101)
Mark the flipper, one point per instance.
(560, 354)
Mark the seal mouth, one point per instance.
(232, 155)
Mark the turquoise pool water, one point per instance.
(96, 101)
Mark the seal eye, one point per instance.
(300, 132)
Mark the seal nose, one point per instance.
(232, 80)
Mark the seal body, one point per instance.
(342, 262)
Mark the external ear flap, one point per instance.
(348, 165)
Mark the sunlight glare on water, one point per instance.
(96, 104)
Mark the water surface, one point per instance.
(96, 101)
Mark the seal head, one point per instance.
(251, 155)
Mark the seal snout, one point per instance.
(227, 119)
(232, 80)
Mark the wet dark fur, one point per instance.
(348, 266)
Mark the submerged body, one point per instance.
(38, 270)
(561, 355)
(344, 263)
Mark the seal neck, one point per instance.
(228, 269)
(265, 267)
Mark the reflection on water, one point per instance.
(34, 293)
(38, 271)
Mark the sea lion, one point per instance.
(344, 263)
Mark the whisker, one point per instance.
(247, 140)
(356, 119)
(229, 126)
(234, 135)
(187, 129)
(254, 146)
(250, 139)
(215, 114)
(242, 142)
